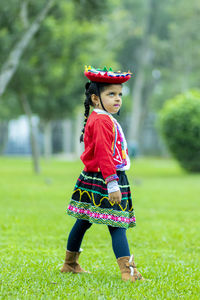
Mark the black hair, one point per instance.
(90, 89)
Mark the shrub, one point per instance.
(179, 122)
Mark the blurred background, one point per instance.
(44, 46)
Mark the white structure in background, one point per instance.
(18, 137)
(62, 136)
(19, 128)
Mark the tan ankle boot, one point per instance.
(71, 263)
(128, 269)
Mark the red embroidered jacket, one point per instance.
(103, 146)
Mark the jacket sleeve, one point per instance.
(104, 139)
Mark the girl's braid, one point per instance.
(91, 88)
(87, 104)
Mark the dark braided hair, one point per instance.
(90, 89)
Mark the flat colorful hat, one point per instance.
(106, 75)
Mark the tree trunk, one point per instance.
(24, 13)
(145, 57)
(67, 136)
(47, 139)
(33, 139)
(79, 126)
(3, 136)
(11, 64)
(136, 111)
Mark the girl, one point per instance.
(102, 192)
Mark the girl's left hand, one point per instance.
(115, 197)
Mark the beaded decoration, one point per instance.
(107, 76)
(121, 138)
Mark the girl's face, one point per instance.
(111, 98)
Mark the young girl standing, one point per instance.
(102, 193)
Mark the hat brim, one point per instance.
(113, 79)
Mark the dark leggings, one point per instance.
(118, 235)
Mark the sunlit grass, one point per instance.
(34, 230)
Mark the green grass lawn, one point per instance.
(34, 230)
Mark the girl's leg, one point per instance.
(121, 249)
(76, 235)
(119, 241)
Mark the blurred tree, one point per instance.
(26, 10)
(90, 9)
(10, 65)
(6, 113)
(48, 80)
(15, 35)
(185, 45)
(51, 76)
(154, 40)
(133, 24)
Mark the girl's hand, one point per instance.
(115, 197)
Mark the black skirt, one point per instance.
(90, 201)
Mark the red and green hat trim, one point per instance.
(105, 75)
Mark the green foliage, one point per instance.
(180, 125)
(91, 9)
(173, 43)
(50, 73)
(34, 230)
(9, 107)
(79, 32)
(12, 23)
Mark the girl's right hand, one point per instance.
(115, 197)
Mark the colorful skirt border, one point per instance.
(88, 209)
